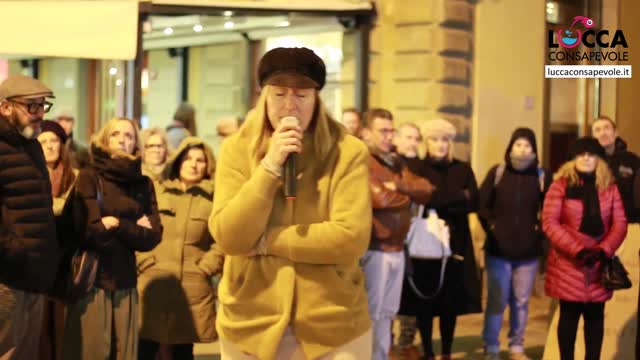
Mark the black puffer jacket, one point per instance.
(127, 195)
(29, 253)
(625, 166)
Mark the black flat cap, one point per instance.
(292, 67)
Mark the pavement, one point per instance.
(468, 339)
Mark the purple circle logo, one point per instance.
(570, 38)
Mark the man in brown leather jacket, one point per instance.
(393, 188)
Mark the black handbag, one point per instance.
(79, 265)
(614, 275)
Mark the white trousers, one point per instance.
(384, 272)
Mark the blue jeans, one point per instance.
(508, 281)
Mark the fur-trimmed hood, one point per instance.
(172, 170)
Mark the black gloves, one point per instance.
(589, 257)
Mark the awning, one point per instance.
(108, 29)
(104, 29)
(291, 5)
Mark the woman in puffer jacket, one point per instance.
(584, 219)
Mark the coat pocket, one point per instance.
(144, 261)
(197, 231)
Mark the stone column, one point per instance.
(420, 63)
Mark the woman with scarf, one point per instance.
(454, 197)
(291, 285)
(115, 208)
(62, 176)
(584, 219)
(510, 200)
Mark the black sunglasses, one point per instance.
(33, 108)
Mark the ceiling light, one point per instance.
(146, 26)
(119, 82)
(227, 13)
(144, 79)
(168, 31)
(113, 70)
(229, 24)
(197, 28)
(284, 23)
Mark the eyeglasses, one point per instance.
(34, 108)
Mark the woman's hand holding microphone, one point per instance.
(286, 139)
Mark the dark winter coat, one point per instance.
(625, 166)
(127, 195)
(79, 154)
(461, 290)
(29, 252)
(509, 212)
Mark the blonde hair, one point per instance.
(449, 153)
(101, 138)
(146, 134)
(326, 131)
(568, 171)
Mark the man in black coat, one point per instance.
(29, 253)
(624, 164)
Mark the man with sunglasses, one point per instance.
(29, 253)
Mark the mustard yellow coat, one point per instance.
(310, 279)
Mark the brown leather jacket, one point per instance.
(391, 214)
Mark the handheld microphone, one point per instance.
(289, 171)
